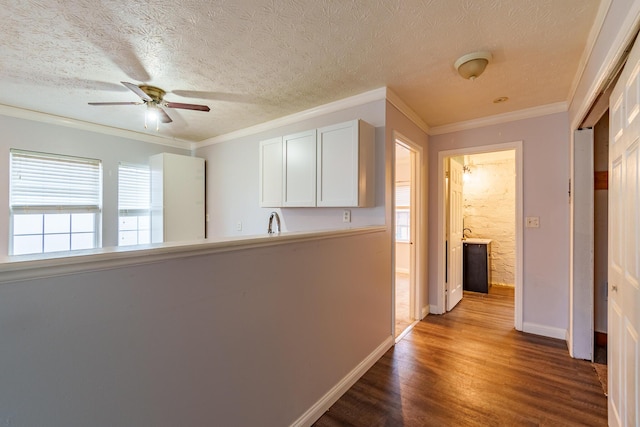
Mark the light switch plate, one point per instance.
(532, 222)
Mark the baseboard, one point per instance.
(434, 309)
(425, 311)
(321, 406)
(545, 331)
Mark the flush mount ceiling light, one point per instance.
(471, 65)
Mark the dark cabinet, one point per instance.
(476, 267)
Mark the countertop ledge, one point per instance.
(26, 267)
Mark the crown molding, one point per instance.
(406, 110)
(352, 101)
(21, 113)
(527, 113)
(595, 31)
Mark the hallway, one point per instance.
(471, 368)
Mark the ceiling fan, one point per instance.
(153, 96)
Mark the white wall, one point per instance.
(489, 196)
(546, 249)
(253, 337)
(49, 138)
(233, 181)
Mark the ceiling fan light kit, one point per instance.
(153, 98)
(471, 65)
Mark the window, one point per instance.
(403, 215)
(133, 204)
(54, 203)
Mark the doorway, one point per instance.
(443, 213)
(407, 243)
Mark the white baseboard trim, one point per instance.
(545, 331)
(425, 312)
(434, 309)
(321, 406)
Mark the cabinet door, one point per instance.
(337, 152)
(271, 173)
(299, 169)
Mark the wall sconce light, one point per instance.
(471, 65)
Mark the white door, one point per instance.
(454, 235)
(624, 245)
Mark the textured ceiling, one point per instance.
(253, 61)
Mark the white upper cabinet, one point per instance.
(345, 165)
(299, 169)
(329, 167)
(271, 173)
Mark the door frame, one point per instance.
(441, 267)
(418, 226)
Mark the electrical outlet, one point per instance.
(346, 215)
(533, 222)
(239, 226)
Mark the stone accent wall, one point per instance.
(489, 210)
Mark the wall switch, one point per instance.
(532, 222)
(206, 217)
(346, 215)
(239, 226)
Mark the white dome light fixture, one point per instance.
(471, 65)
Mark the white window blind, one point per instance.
(133, 187)
(403, 196)
(41, 180)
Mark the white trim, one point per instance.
(419, 286)
(545, 331)
(402, 270)
(519, 285)
(406, 110)
(353, 101)
(37, 116)
(425, 311)
(596, 28)
(625, 36)
(527, 113)
(433, 308)
(27, 267)
(321, 406)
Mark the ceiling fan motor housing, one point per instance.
(154, 92)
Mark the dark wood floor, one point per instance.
(471, 368)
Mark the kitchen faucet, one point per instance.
(270, 228)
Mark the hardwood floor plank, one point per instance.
(471, 368)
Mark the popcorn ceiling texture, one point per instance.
(257, 60)
(489, 210)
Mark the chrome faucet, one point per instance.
(270, 229)
(464, 236)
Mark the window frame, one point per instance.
(47, 207)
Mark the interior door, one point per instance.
(624, 245)
(454, 235)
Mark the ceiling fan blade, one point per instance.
(115, 103)
(135, 89)
(187, 106)
(164, 117)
